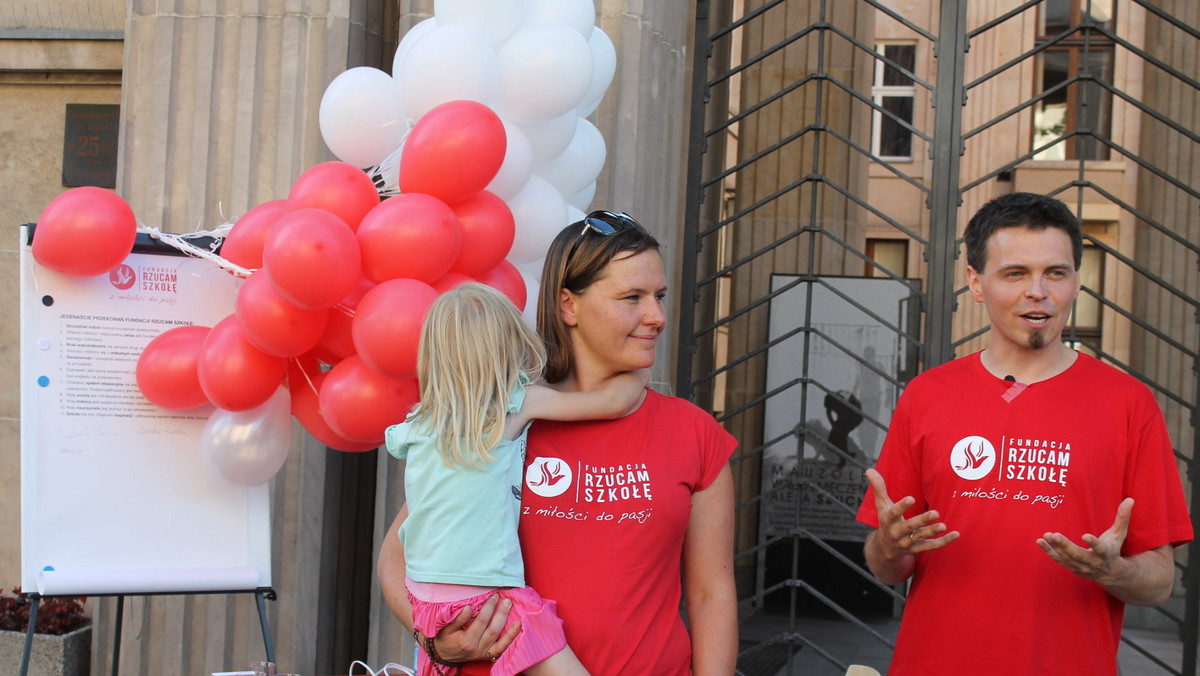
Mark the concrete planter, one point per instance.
(65, 655)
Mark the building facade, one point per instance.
(822, 123)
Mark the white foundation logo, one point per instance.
(548, 477)
(972, 458)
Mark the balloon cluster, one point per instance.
(341, 279)
(541, 65)
(481, 146)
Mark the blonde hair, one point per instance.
(473, 346)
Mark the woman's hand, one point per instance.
(484, 638)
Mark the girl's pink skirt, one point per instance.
(541, 630)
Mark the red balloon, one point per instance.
(506, 279)
(387, 326)
(337, 343)
(359, 403)
(453, 152)
(307, 409)
(244, 244)
(166, 371)
(312, 258)
(337, 187)
(274, 325)
(410, 235)
(488, 230)
(235, 375)
(84, 232)
(449, 281)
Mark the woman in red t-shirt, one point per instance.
(621, 518)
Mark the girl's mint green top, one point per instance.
(462, 521)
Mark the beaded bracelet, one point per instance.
(436, 659)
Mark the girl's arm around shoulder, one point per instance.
(619, 395)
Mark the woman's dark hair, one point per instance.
(577, 258)
(1020, 209)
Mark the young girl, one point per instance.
(465, 449)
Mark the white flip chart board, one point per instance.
(113, 496)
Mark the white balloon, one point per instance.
(544, 72)
(539, 212)
(517, 167)
(246, 448)
(410, 38)
(604, 60)
(577, 14)
(583, 199)
(532, 268)
(532, 291)
(579, 164)
(548, 139)
(494, 19)
(450, 63)
(574, 215)
(362, 116)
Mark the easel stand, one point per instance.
(260, 597)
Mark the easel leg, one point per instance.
(116, 663)
(29, 634)
(262, 617)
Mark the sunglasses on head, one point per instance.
(605, 223)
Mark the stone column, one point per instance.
(218, 114)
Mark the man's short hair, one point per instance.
(1020, 209)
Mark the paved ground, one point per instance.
(849, 644)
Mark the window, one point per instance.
(1068, 70)
(891, 254)
(1083, 327)
(895, 92)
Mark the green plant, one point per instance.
(55, 615)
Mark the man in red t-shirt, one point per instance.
(1007, 464)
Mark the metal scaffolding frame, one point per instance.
(734, 235)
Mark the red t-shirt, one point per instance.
(605, 506)
(1058, 457)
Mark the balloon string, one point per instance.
(387, 172)
(180, 242)
(300, 368)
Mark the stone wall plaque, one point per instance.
(90, 145)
